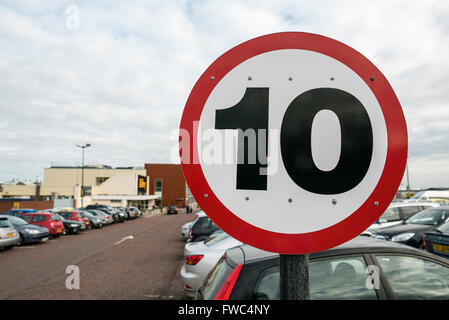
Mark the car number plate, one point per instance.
(10, 235)
(44, 239)
(440, 247)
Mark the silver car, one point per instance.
(201, 257)
(9, 236)
(107, 218)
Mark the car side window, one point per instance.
(415, 278)
(339, 278)
(409, 211)
(38, 218)
(26, 218)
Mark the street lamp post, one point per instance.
(87, 145)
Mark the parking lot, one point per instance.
(138, 259)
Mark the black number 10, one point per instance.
(251, 112)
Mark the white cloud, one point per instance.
(121, 81)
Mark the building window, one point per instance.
(100, 180)
(157, 185)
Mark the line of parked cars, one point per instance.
(408, 245)
(23, 226)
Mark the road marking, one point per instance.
(123, 239)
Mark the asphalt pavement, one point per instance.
(137, 259)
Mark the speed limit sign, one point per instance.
(293, 142)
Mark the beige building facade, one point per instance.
(102, 184)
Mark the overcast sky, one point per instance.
(120, 81)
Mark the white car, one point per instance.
(9, 236)
(397, 213)
(185, 229)
(201, 257)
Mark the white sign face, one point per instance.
(282, 204)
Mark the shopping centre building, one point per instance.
(71, 186)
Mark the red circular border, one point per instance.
(340, 232)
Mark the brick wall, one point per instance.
(38, 205)
(173, 183)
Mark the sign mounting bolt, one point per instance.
(212, 78)
(334, 201)
(246, 198)
(205, 196)
(376, 203)
(250, 78)
(290, 78)
(290, 199)
(371, 78)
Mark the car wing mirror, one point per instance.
(381, 220)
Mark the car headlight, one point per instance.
(74, 225)
(32, 231)
(403, 237)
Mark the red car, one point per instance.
(47, 220)
(75, 216)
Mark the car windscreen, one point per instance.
(391, 214)
(65, 215)
(55, 217)
(17, 221)
(215, 280)
(4, 223)
(201, 225)
(429, 217)
(86, 214)
(418, 195)
(211, 241)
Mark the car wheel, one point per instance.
(20, 242)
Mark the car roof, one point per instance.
(412, 203)
(36, 213)
(360, 244)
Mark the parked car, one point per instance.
(76, 215)
(106, 209)
(72, 226)
(398, 212)
(437, 241)
(106, 218)
(136, 210)
(201, 257)
(413, 229)
(404, 272)
(172, 210)
(29, 233)
(94, 220)
(51, 221)
(18, 212)
(9, 236)
(185, 229)
(427, 195)
(201, 228)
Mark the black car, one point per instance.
(107, 209)
(201, 228)
(437, 241)
(72, 226)
(172, 210)
(361, 269)
(411, 231)
(29, 233)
